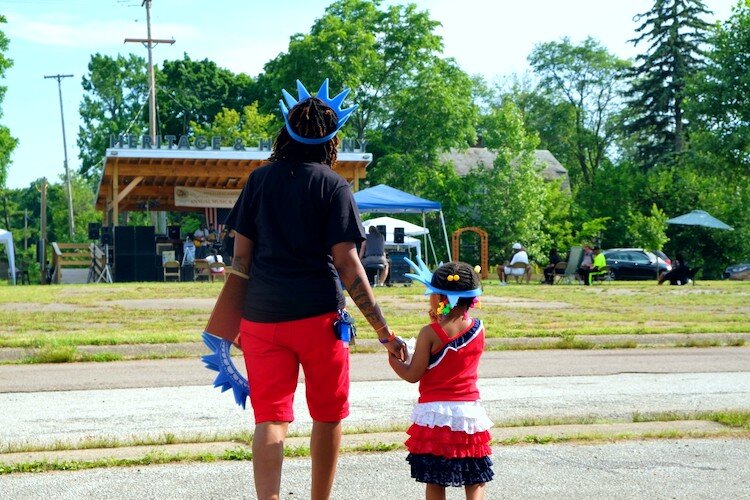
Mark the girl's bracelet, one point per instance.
(388, 339)
(378, 329)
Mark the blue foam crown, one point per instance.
(334, 103)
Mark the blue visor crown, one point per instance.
(334, 103)
(424, 275)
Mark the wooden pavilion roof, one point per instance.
(140, 179)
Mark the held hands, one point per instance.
(396, 347)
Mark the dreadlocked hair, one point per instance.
(310, 118)
(444, 278)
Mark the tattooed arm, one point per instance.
(353, 276)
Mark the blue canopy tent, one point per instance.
(387, 200)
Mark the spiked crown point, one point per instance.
(335, 103)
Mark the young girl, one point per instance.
(448, 442)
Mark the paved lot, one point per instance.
(48, 403)
(667, 469)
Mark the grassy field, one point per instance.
(149, 313)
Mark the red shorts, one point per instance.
(273, 354)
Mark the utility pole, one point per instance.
(150, 43)
(43, 231)
(71, 227)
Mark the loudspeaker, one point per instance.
(124, 267)
(106, 232)
(382, 230)
(173, 232)
(398, 235)
(398, 268)
(125, 240)
(145, 240)
(145, 268)
(94, 228)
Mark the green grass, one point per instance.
(56, 318)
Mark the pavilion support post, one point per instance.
(115, 195)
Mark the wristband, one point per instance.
(390, 338)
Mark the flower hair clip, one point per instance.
(443, 308)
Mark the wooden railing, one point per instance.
(76, 255)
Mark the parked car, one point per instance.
(737, 272)
(634, 264)
(663, 257)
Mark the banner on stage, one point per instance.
(205, 197)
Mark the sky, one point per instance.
(491, 38)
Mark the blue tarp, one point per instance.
(385, 199)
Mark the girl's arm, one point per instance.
(413, 371)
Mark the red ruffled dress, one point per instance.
(449, 439)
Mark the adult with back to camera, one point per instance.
(372, 253)
(297, 227)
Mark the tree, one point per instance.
(720, 98)
(196, 91)
(250, 126)
(584, 76)
(391, 60)
(7, 142)
(116, 95)
(673, 31)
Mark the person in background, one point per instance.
(598, 263)
(586, 262)
(549, 269)
(680, 273)
(519, 256)
(372, 253)
(227, 245)
(199, 240)
(293, 299)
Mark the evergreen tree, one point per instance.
(673, 31)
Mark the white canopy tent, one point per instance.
(6, 237)
(390, 229)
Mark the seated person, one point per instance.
(215, 257)
(211, 234)
(519, 255)
(681, 274)
(199, 240)
(372, 253)
(549, 269)
(598, 264)
(585, 266)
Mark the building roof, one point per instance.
(141, 178)
(464, 161)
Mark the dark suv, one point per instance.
(633, 264)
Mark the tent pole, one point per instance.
(424, 239)
(432, 245)
(445, 233)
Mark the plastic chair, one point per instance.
(600, 275)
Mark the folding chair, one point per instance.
(600, 275)
(217, 270)
(558, 273)
(202, 271)
(171, 270)
(520, 265)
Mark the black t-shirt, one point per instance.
(294, 213)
